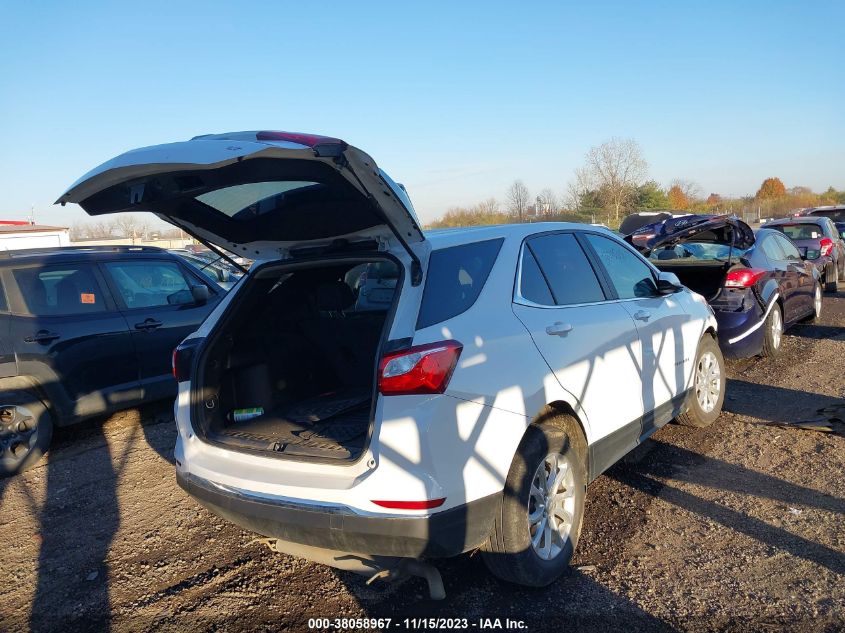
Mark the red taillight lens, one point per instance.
(411, 505)
(826, 246)
(743, 278)
(309, 140)
(183, 359)
(420, 369)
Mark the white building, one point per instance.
(15, 236)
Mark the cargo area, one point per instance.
(292, 370)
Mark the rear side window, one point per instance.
(4, 306)
(532, 284)
(455, 278)
(566, 269)
(631, 276)
(58, 290)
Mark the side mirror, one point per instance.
(668, 283)
(200, 294)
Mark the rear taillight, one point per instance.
(420, 369)
(183, 359)
(426, 504)
(743, 277)
(826, 245)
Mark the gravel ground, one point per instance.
(740, 526)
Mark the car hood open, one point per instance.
(680, 229)
(258, 194)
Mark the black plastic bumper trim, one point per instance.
(439, 535)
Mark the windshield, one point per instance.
(692, 252)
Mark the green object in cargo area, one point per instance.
(242, 415)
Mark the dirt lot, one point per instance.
(737, 527)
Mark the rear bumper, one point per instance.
(741, 333)
(340, 529)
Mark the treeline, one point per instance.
(613, 182)
(122, 226)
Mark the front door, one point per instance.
(665, 361)
(155, 297)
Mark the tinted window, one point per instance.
(455, 278)
(532, 285)
(630, 275)
(147, 284)
(566, 268)
(65, 289)
(251, 199)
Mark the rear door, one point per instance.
(664, 354)
(588, 341)
(155, 298)
(70, 336)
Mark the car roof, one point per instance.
(443, 238)
(76, 253)
(804, 219)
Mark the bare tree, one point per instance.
(617, 166)
(489, 206)
(518, 197)
(548, 201)
(581, 183)
(127, 225)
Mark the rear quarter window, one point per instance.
(4, 305)
(455, 278)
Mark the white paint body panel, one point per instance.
(460, 445)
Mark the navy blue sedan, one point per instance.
(757, 284)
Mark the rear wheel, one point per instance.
(537, 527)
(772, 332)
(705, 399)
(831, 278)
(26, 429)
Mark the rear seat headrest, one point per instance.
(333, 296)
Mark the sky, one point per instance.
(453, 99)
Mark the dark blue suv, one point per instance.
(88, 331)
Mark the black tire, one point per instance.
(508, 552)
(772, 343)
(696, 415)
(831, 278)
(22, 449)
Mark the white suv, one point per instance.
(500, 371)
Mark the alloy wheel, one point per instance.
(708, 382)
(551, 506)
(18, 433)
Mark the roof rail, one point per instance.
(56, 250)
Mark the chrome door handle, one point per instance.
(642, 315)
(558, 329)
